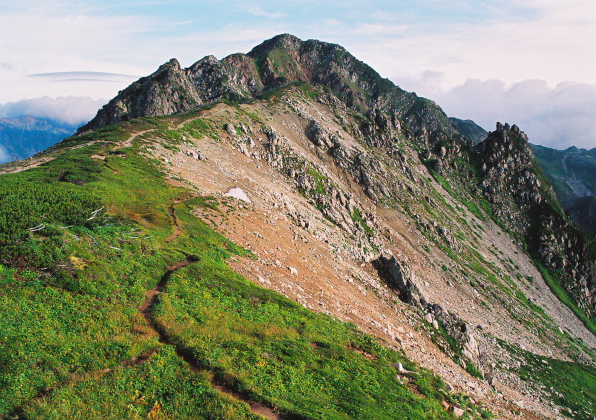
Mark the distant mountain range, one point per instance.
(572, 173)
(25, 136)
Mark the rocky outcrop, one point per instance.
(233, 78)
(399, 276)
(167, 91)
(523, 201)
(510, 179)
(564, 250)
(464, 344)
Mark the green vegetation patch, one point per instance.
(570, 385)
(357, 217)
(275, 351)
(154, 389)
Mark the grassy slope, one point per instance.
(73, 343)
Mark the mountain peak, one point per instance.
(316, 178)
(277, 62)
(171, 64)
(286, 41)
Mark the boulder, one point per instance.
(398, 276)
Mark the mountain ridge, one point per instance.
(390, 113)
(281, 60)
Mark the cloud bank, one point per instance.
(70, 110)
(557, 117)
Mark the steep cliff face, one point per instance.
(167, 91)
(510, 179)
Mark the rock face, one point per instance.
(167, 91)
(398, 276)
(277, 62)
(510, 179)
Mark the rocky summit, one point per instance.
(285, 234)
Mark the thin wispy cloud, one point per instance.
(82, 74)
(85, 76)
(257, 11)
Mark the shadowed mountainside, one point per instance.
(572, 173)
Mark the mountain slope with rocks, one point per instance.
(281, 60)
(299, 239)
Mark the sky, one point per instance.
(525, 62)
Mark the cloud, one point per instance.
(60, 37)
(257, 11)
(71, 110)
(558, 117)
(511, 41)
(450, 42)
(98, 76)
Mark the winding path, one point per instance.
(177, 230)
(146, 310)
